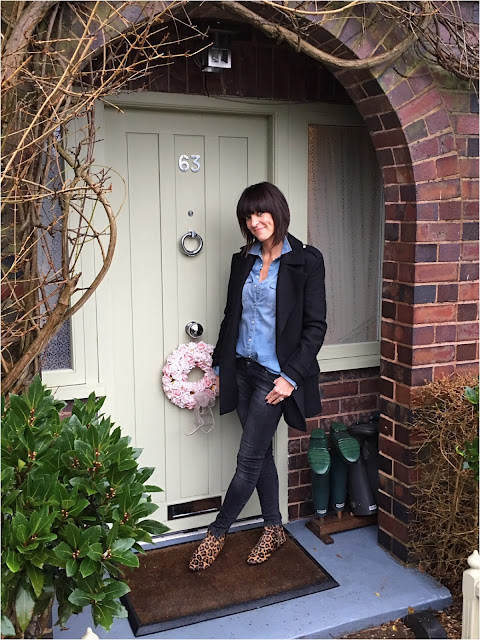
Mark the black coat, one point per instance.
(300, 329)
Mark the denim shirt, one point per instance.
(256, 336)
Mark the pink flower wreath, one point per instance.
(177, 387)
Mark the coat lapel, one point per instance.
(242, 269)
(291, 278)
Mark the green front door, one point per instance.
(176, 172)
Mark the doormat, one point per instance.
(165, 594)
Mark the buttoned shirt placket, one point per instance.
(256, 296)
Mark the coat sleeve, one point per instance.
(223, 326)
(302, 363)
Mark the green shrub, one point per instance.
(73, 499)
(469, 451)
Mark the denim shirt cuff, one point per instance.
(289, 380)
(216, 370)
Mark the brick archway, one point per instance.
(427, 263)
(423, 133)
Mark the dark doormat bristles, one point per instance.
(165, 594)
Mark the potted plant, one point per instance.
(73, 507)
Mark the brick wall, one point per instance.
(430, 294)
(424, 126)
(348, 397)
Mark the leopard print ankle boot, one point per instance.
(271, 539)
(206, 552)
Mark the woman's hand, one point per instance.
(217, 383)
(280, 391)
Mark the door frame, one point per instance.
(288, 141)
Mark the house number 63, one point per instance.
(184, 163)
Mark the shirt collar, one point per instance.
(256, 248)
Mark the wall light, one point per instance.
(219, 55)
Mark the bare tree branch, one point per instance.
(107, 260)
(276, 31)
(14, 51)
(51, 84)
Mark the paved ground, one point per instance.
(374, 590)
(450, 619)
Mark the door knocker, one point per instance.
(191, 252)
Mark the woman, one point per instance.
(266, 358)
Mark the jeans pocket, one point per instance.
(271, 377)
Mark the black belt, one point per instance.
(250, 362)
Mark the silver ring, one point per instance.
(191, 252)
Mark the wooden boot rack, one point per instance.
(333, 523)
(338, 521)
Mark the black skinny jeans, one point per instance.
(255, 464)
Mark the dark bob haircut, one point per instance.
(266, 198)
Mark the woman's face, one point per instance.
(261, 225)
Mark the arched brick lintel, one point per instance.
(409, 125)
(402, 107)
(401, 104)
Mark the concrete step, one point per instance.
(374, 589)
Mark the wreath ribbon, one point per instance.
(203, 414)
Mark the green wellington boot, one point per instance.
(318, 454)
(343, 443)
(338, 483)
(320, 493)
(319, 461)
